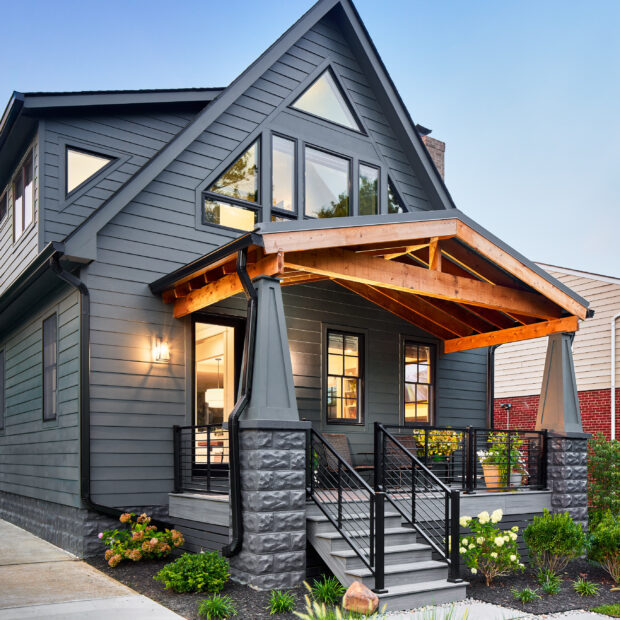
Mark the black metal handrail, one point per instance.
(201, 459)
(453, 455)
(421, 498)
(349, 503)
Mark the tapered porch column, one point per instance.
(559, 413)
(272, 456)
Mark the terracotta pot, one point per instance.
(492, 477)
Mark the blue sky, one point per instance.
(525, 93)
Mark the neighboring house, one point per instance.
(519, 366)
(265, 286)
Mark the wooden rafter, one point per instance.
(524, 332)
(378, 297)
(342, 264)
(226, 286)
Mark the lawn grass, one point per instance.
(609, 610)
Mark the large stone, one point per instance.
(360, 599)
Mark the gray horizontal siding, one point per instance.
(134, 137)
(16, 255)
(41, 459)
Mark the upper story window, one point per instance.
(50, 365)
(325, 99)
(395, 204)
(23, 197)
(328, 181)
(81, 166)
(232, 200)
(369, 190)
(283, 179)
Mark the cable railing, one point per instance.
(479, 459)
(201, 459)
(422, 499)
(349, 503)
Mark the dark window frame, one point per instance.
(70, 147)
(361, 379)
(390, 184)
(322, 149)
(49, 416)
(360, 163)
(257, 206)
(2, 390)
(19, 176)
(404, 341)
(283, 213)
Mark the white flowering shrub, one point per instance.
(489, 550)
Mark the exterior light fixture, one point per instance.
(214, 397)
(161, 350)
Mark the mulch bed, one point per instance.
(566, 599)
(250, 603)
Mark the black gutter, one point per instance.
(171, 279)
(236, 543)
(491, 385)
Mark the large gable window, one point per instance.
(23, 198)
(395, 204)
(232, 199)
(325, 99)
(328, 179)
(82, 166)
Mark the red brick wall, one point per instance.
(594, 404)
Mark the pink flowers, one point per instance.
(100, 535)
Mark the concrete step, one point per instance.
(393, 536)
(398, 554)
(403, 574)
(410, 596)
(320, 523)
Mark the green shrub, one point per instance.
(583, 587)
(604, 474)
(327, 590)
(605, 544)
(139, 541)
(527, 595)
(488, 549)
(195, 572)
(554, 540)
(281, 602)
(548, 581)
(217, 607)
(612, 610)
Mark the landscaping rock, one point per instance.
(360, 599)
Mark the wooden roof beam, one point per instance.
(515, 334)
(342, 264)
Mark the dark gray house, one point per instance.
(256, 312)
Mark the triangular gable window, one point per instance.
(395, 204)
(240, 181)
(82, 166)
(325, 99)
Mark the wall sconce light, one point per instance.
(161, 350)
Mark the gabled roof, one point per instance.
(82, 241)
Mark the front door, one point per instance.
(217, 346)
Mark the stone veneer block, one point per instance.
(273, 499)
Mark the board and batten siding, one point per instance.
(519, 366)
(41, 459)
(16, 255)
(132, 138)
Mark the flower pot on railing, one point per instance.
(492, 476)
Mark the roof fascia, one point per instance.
(45, 101)
(374, 67)
(82, 243)
(10, 115)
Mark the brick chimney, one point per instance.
(436, 149)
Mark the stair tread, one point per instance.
(408, 567)
(349, 553)
(392, 530)
(423, 586)
(322, 518)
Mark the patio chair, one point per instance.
(396, 460)
(340, 443)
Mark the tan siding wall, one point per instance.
(519, 366)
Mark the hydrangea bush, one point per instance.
(489, 550)
(139, 541)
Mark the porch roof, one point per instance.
(438, 270)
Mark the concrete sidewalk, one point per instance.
(39, 580)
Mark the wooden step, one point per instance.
(403, 574)
(398, 554)
(393, 536)
(410, 596)
(320, 523)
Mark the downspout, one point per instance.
(613, 375)
(77, 284)
(491, 385)
(245, 390)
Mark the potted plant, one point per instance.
(435, 447)
(495, 461)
